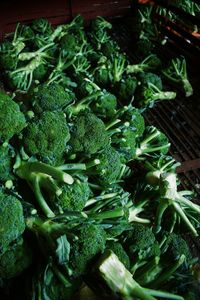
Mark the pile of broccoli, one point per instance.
(89, 194)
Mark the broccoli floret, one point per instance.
(99, 23)
(46, 137)
(12, 120)
(147, 77)
(125, 89)
(140, 243)
(176, 246)
(91, 240)
(143, 48)
(12, 222)
(15, 260)
(102, 75)
(124, 135)
(105, 106)
(73, 197)
(6, 159)
(50, 97)
(88, 134)
(108, 168)
(109, 48)
(69, 45)
(118, 249)
(40, 73)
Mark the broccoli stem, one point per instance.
(162, 96)
(26, 169)
(163, 205)
(166, 274)
(162, 294)
(187, 87)
(71, 167)
(40, 199)
(183, 216)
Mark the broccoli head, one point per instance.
(12, 120)
(15, 260)
(108, 170)
(105, 106)
(12, 222)
(147, 77)
(46, 137)
(125, 89)
(90, 241)
(88, 134)
(176, 247)
(118, 249)
(50, 97)
(73, 197)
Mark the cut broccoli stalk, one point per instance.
(151, 62)
(154, 141)
(170, 197)
(158, 166)
(109, 273)
(40, 175)
(177, 73)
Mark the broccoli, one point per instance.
(6, 159)
(12, 120)
(91, 240)
(105, 106)
(46, 137)
(148, 95)
(15, 260)
(50, 97)
(150, 63)
(158, 165)
(153, 141)
(40, 73)
(177, 72)
(73, 197)
(101, 102)
(99, 23)
(108, 168)
(8, 56)
(115, 208)
(125, 89)
(12, 222)
(109, 48)
(118, 249)
(41, 177)
(140, 243)
(42, 26)
(109, 275)
(69, 45)
(102, 75)
(143, 48)
(175, 246)
(22, 77)
(181, 207)
(88, 134)
(146, 78)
